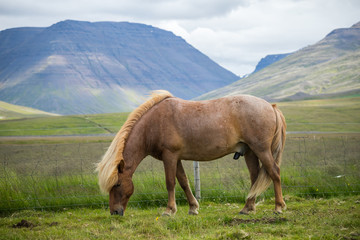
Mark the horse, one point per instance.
(171, 129)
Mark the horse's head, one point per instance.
(120, 193)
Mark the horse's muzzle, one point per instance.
(118, 212)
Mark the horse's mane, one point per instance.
(108, 167)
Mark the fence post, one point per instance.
(197, 180)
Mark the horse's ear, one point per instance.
(121, 166)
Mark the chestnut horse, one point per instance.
(171, 129)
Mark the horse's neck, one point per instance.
(134, 151)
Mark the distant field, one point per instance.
(64, 125)
(325, 115)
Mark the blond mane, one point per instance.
(108, 166)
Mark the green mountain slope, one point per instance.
(328, 67)
(10, 111)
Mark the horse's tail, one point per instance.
(277, 147)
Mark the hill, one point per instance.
(10, 111)
(75, 67)
(330, 66)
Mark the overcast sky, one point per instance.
(234, 33)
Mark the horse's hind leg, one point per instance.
(184, 183)
(273, 170)
(252, 163)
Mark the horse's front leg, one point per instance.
(170, 164)
(184, 183)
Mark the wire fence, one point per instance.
(62, 175)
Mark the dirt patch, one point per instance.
(270, 220)
(23, 224)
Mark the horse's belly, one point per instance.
(208, 152)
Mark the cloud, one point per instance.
(240, 38)
(141, 9)
(234, 33)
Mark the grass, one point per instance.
(320, 178)
(64, 125)
(325, 115)
(60, 175)
(305, 218)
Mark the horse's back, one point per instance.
(213, 127)
(232, 110)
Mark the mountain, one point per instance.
(10, 111)
(268, 60)
(329, 67)
(75, 67)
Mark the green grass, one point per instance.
(305, 218)
(325, 115)
(57, 174)
(61, 175)
(64, 125)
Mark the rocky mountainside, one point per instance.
(268, 60)
(75, 67)
(329, 67)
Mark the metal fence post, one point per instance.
(197, 180)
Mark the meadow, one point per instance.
(305, 218)
(59, 175)
(48, 181)
(323, 115)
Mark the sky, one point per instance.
(234, 33)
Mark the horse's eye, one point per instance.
(117, 185)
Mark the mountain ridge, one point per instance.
(75, 67)
(327, 67)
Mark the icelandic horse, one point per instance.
(171, 129)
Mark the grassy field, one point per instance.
(55, 177)
(54, 172)
(325, 115)
(60, 175)
(305, 218)
(64, 125)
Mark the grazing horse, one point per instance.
(171, 129)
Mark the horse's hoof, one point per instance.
(277, 212)
(166, 214)
(247, 210)
(169, 212)
(193, 212)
